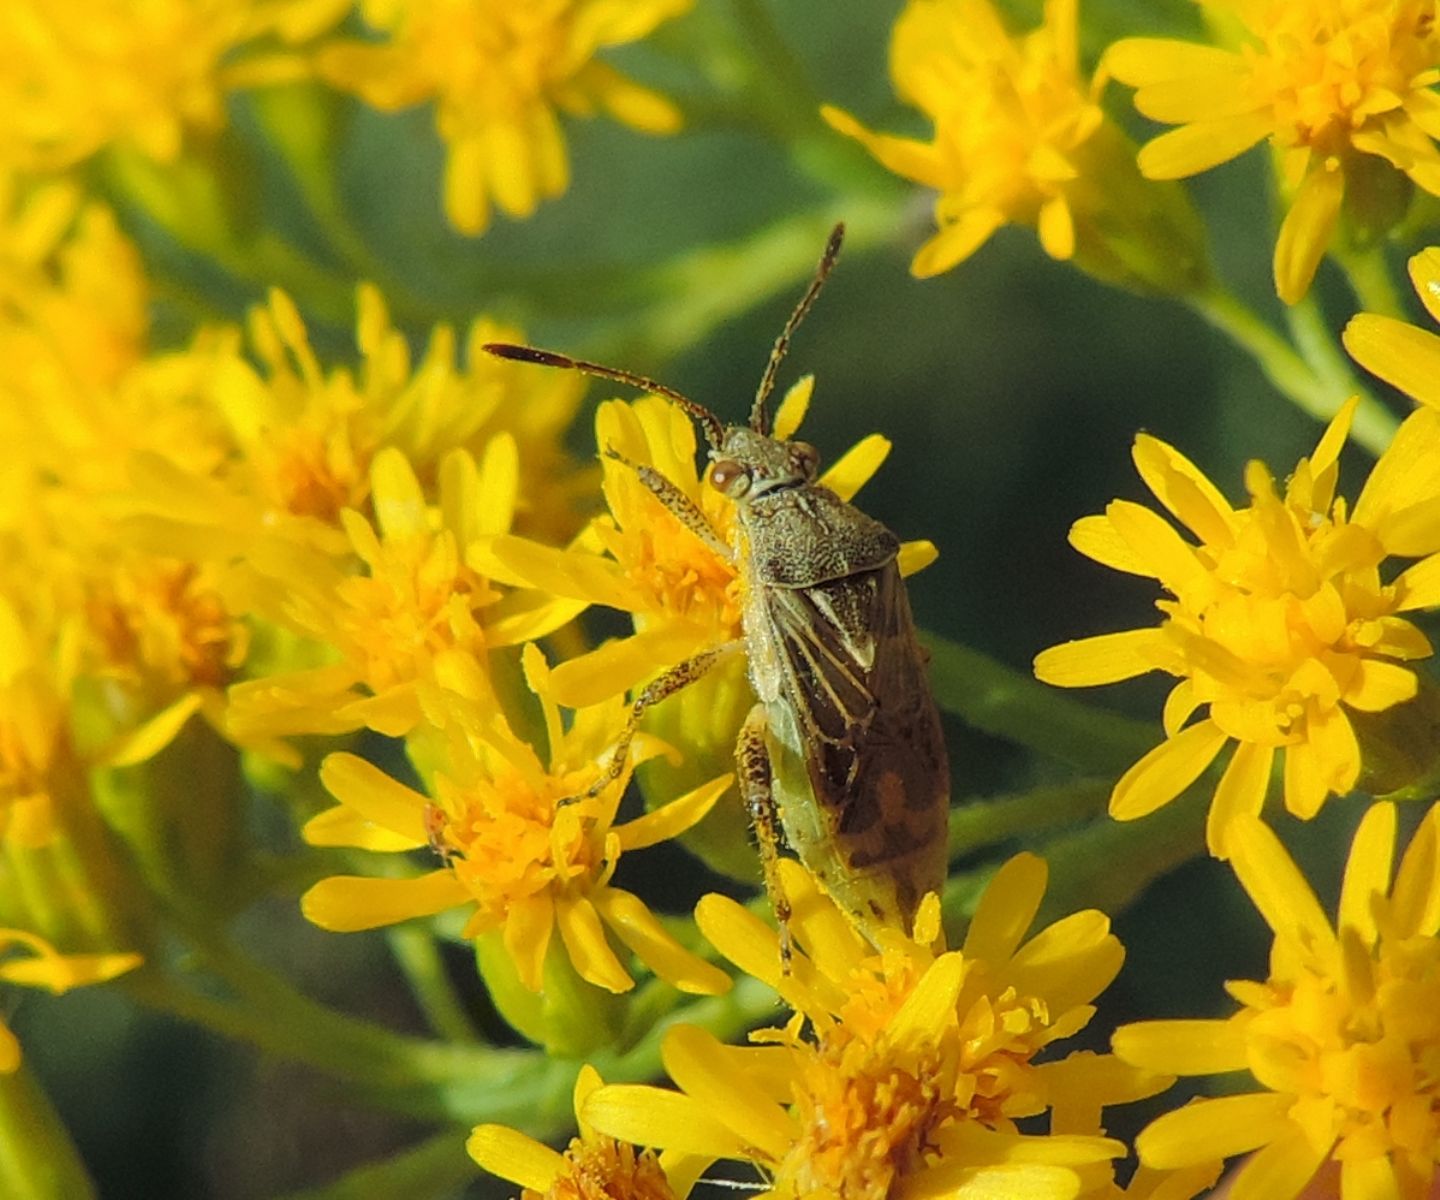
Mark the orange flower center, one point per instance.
(604, 1169)
(1327, 67)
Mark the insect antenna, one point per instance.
(759, 418)
(714, 431)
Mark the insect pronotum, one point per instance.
(844, 750)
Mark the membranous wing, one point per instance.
(871, 736)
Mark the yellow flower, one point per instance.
(1340, 87)
(1009, 115)
(39, 964)
(77, 76)
(1402, 355)
(417, 614)
(918, 1062)
(592, 1166)
(1342, 1038)
(499, 73)
(519, 840)
(1280, 620)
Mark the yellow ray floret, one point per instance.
(1278, 619)
(1399, 353)
(1341, 1038)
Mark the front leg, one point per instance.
(752, 761)
(680, 505)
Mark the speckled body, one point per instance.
(862, 779)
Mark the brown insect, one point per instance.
(844, 750)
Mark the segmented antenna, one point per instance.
(709, 423)
(759, 418)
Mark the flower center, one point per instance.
(603, 1169)
(1328, 66)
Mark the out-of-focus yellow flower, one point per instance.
(1020, 138)
(499, 74)
(1399, 353)
(1280, 621)
(917, 1063)
(592, 1165)
(1009, 114)
(303, 435)
(1342, 1038)
(1339, 87)
(80, 75)
(520, 841)
(417, 614)
(39, 964)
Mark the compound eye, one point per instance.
(729, 477)
(804, 458)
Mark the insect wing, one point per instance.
(871, 740)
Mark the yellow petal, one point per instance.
(1166, 771)
(793, 408)
(1279, 1171)
(529, 923)
(1425, 273)
(142, 744)
(915, 557)
(1069, 962)
(1241, 791)
(511, 1155)
(618, 665)
(1405, 477)
(1212, 1129)
(1007, 908)
(956, 242)
(826, 935)
(853, 469)
(1183, 489)
(1379, 685)
(1306, 231)
(695, 1061)
(1095, 537)
(1369, 1179)
(650, 1116)
(1183, 1047)
(1056, 228)
(641, 931)
(913, 159)
(673, 819)
(399, 502)
(348, 903)
(1141, 61)
(930, 1006)
(1199, 146)
(377, 797)
(587, 946)
(498, 486)
(1087, 662)
(1277, 888)
(343, 826)
(1415, 899)
(1367, 871)
(1003, 1181)
(1403, 356)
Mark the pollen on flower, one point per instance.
(864, 1124)
(599, 1168)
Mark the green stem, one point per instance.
(1317, 383)
(419, 957)
(1371, 280)
(981, 823)
(1000, 701)
(1374, 425)
(38, 1159)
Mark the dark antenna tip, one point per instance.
(527, 354)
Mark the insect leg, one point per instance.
(752, 761)
(678, 503)
(678, 677)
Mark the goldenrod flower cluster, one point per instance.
(320, 594)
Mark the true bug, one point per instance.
(844, 750)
